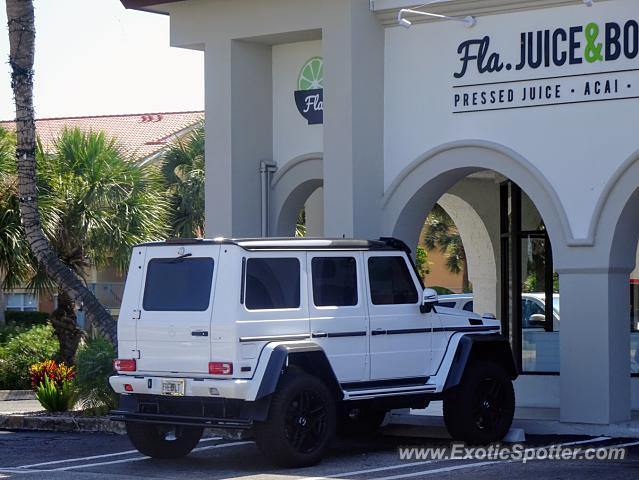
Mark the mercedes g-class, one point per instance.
(291, 339)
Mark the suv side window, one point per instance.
(334, 281)
(272, 283)
(390, 281)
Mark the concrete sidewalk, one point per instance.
(19, 406)
(533, 421)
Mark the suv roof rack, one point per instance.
(293, 243)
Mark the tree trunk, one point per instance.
(66, 329)
(20, 19)
(3, 307)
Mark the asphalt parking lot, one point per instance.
(47, 455)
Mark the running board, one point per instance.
(388, 392)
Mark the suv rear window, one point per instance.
(178, 285)
(272, 283)
(334, 281)
(390, 281)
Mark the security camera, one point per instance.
(405, 22)
(470, 21)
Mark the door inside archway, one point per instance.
(529, 287)
(508, 264)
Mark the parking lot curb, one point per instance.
(60, 424)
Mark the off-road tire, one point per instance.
(300, 424)
(480, 410)
(151, 440)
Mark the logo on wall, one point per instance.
(578, 46)
(309, 96)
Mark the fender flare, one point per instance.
(306, 355)
(494, 347)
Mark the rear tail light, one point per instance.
(220, 368)
(124, 365)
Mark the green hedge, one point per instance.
(26, 318)
(23, 348)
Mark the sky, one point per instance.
(94, 57)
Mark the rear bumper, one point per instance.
(194, 387)
(190, 411)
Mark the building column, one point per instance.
(594, 346)
(353, 51)
(239, 134)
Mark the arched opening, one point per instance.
(506, 232)
(615, 228)
(624, 258)
(296, 200)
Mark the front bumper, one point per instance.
(194, 387)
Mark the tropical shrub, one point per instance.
(442, 290)
(9, 331)
(54, 397)
(95, 203)
(54, 385)
(421, 261)
(94, 363)
(21, 351)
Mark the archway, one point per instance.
(424, 181)
(512, 254)
(291, 188)
(616, 227)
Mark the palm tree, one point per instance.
(94, 204)
(21, 23)
(14, 258)
(106, 204)
(442, 234)
(183, 170)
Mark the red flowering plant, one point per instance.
(57, 373)
(54, 385)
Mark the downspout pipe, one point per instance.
(266, 171)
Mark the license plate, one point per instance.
(174, 388)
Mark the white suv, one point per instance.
(290, 339)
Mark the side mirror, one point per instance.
(429, 300)
(537, 320)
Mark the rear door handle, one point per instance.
(319, 335)
(200, 333)
(378, 331)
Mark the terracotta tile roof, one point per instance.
(141, 135)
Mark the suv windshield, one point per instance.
(178, 284)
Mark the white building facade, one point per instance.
(523, 127)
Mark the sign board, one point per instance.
(556, 67)
(309, 97)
